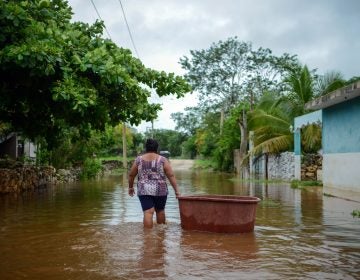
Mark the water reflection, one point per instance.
(93, 230)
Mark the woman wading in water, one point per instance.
(152, 171)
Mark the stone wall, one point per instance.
(282, 166)
(17, 177)
(311, 167)
(24, 178)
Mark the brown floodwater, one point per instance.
(93, 230)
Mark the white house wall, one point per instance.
(341, 148)
(341, 175)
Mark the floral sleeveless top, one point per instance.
(151, 177)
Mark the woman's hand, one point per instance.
(177, 194)
(131, 191)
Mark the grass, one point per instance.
(328, 195)
(204, 164)
(120, 170)
(297, 184)
(269, 203)
(271, 181)
(119, 158)
(356, 213)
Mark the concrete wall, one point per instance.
(282, 166)
(341, 148)
(341, 128)
(341, 176)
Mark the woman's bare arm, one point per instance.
(170, 175)
(132, 174)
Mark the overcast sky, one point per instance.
(325, 34)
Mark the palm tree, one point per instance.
(272, 119)
(300, 89)
(329, 82)
(271, 122)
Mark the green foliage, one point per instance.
(229, 140)
(231, 71)
(208, 135)
(300, 87)
(311, 138)
(328, 195)
(189, 121)
(169, 140)
(74, 149)
(271, 122)
(111, 140)
(189, 147)
(56, 75)
(297, 184)
(205, 164)
(352, 80)
(269, 203)
(356, 213)
(90, 169)
(328, 82)
(228, 74)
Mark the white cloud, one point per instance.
(323, 33)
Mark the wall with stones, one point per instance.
(18, 177)
(311, 167)
(282, 166)
(25, 178)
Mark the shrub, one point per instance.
(91, 168)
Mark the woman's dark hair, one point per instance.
(151, 145)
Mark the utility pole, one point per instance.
(152, 129)
(124, 146)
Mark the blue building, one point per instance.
(339, 113)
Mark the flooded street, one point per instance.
(93, 230)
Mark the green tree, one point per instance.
(169, 140)
(55, 74)
(229, 73)
(328, 82)
(271, 122)
(273, 117)
(189, 121)
(228, 141)
(208, 135)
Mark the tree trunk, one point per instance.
(124, 146)
(222, 113)
(266, 166)
(243, 140)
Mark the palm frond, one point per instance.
(273, 145)
(329, 82)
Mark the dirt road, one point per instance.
(181, 164)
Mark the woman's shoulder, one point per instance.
(163, 159)
(138, 159)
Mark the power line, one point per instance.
(128, 28)
(101, 19)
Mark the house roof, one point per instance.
(335, 97)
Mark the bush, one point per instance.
(296, 184)
(91, 168)
(356, 213)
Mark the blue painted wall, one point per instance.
(341, 127)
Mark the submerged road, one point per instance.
(181, 164)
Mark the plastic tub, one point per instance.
(218, 213)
